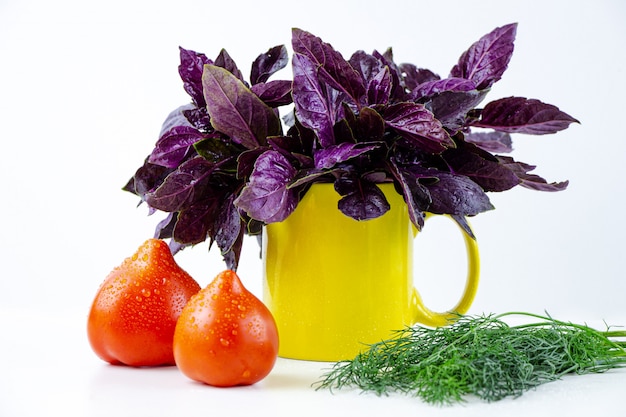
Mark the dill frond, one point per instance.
(478, 355)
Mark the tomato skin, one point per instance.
(134, 313)
(225, 336)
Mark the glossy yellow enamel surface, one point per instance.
(335, 284)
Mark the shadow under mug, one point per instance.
(335, 284)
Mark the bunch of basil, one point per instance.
(226, 164)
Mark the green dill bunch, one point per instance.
(478, 355)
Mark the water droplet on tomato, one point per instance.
(138, 298)
(145, 292)
(224, 342)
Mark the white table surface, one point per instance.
(48, 369)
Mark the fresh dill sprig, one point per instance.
(481, 356)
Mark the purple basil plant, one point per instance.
(227, 163)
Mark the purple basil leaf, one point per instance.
(310, 100)
(228, 225)
(266, 197)
(453, 194)
(367, 65)
(437, 86)
(235, 110)
(176, 118)
(327, 158)
(370, 126)
(413, 76)
(180, 187)
(376, 177)
(379, 88)
(532, 181)
(332, 66)
(215, 149)
(173, 146)
(398, 89)
(187, 116)
(165, 228)
(418, 125)
(253, 227)
(376, 76)
(487, 59)
(232, 256)
(344, 129)
(195, 223)
(303, 161)
(246, 160)
(495, 142)
(387, 57)
(190, 70)
(274, 93)
(294, 149)
(176, 247)
(305, 134)
(416, 195)
(307, 175)
(522, 115)
(292, 145)
(268, 63)
(225, 61)
(361, 200)
(199, 118)
(451, 107)
(481, 167)
(146, 179)
(462, 222)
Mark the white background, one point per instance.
(85, 86)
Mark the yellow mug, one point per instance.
(335, 284)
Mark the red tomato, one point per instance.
(225, 336)
(134, 313)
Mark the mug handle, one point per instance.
(424, 315)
